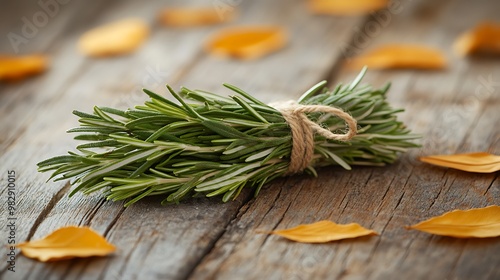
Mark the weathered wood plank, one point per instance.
(313, 50)
(440, 105)
(145, 231)
(18, 103)
(80, 86)
(168, 242)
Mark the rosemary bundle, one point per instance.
(217, 145)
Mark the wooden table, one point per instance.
(456, 110)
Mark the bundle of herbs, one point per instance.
(217, 145)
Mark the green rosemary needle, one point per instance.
(217, 145)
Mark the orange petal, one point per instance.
(481, 158)
(247, 42)
(484, 38)
(116, 38)
(188, 17)
(323, 231)
(346, 7)
(13, 68)
(472, 162)
(400, 56)
(489, 168)
(479, 222)
(66, 243)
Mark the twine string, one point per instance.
(303, 130)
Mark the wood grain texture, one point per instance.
(456, 110)
(444, 107)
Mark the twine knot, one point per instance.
(303, 129)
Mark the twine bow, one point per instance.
(303, 129)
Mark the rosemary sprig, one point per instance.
(218, 145)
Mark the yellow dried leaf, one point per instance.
(323, 231)
(13, 68)
(188, 17)
(471, 162)
(67, 243)
(247, 42)
(488, 168)
(400, 56)
(346, 7)
(484, 38)
(116, 38)
(479, 222)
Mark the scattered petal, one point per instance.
(247, 42)
(14, 68)
(116, 38)
(400, 56)
(479, 222)
(189, 17)
(343, 7)
(488, 168)
(484, 38)
(67, 243)
(472, 162)
(323, 231)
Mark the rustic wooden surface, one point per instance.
(456, 110)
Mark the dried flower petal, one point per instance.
(479, 222)
(323, 231)
(400, 56)
(67, 243)
(247, 42)
(471, 162)
(116, 38)
(346, 7)
(188, 17)
(489, 168)
(13, 68)
(484, 38)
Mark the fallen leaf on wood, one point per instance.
(116, 38)
(479, 222)
(484, 38)
(67, 243)
(188, 17)
(400, 56)
(14, 68)
(247, 42)
(346, 7)
(323, 231)
(471, 162)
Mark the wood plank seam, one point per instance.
(212, 244)
(53, 201)
(341, 57)
(113, 222)
(87, 218)
(491, 184)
